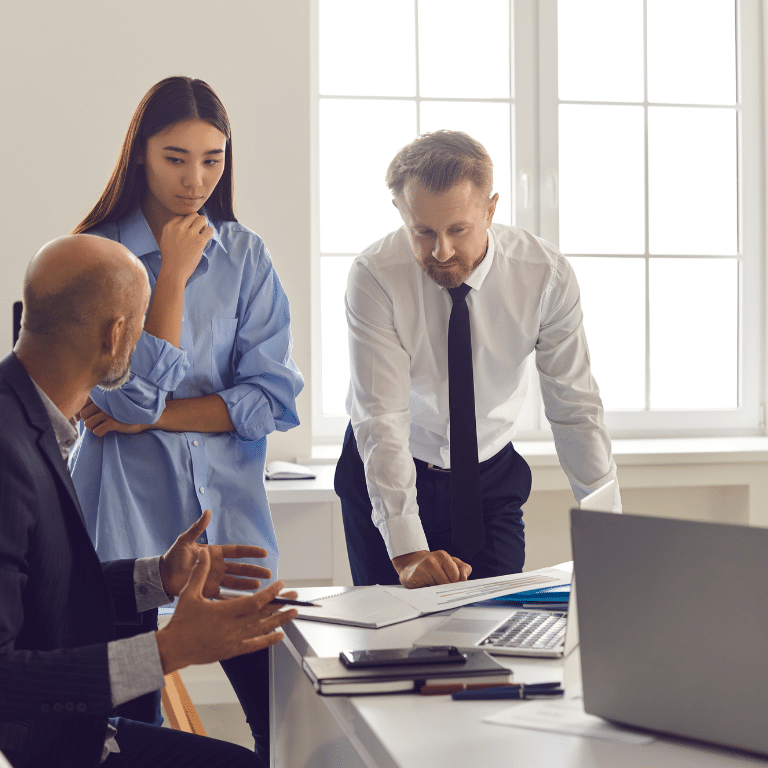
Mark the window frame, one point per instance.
(534, 106)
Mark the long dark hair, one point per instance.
(169, 101)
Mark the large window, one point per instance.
(627, 133)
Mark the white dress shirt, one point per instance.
(524, 297)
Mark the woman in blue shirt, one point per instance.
(212, 373)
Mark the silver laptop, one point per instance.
(547, 633)
(520, 633)
(673, 621)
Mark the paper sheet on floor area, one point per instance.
(444, 596)
(565, 716)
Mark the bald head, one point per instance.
(78, 282)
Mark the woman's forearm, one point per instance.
(195, 414)
(166, 310)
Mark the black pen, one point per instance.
(519, 691)
(291, 601)
(226, 594)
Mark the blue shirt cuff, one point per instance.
(159, 362)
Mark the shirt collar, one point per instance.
(64, 429)
(135, 230)
(480, 272)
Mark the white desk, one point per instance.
(413, 731)
(310, 534)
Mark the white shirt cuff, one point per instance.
(403, 534)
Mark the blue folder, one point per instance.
(546, 596)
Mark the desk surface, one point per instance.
(413, 731)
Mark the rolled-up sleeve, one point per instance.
(571, 396)
(157, 368)
(266, 380)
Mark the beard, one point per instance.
(448, 277)
(116, 376)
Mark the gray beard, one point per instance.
(115, 381)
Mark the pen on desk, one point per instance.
(290, 601)
(227, 594)
(521, 691)
(434, 689)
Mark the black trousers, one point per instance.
(505, 481)
(143, 745)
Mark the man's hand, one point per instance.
(178, 562)
(202, 631)
(423, 568)
(100, 423)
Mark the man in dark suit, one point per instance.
(61, 670)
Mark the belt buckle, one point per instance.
(435, 468)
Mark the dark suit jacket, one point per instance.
(58, 603)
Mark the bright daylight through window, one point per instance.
(620, 131)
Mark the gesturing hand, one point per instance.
(202, 631)
(177, 563)
(182, 243)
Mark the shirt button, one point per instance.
(143, 590)
(195, 443)
(69, 706)
(202, 490)
(58, 707)
(82, 707)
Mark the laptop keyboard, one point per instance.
(529, 629)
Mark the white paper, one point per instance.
(285, 470)
(565, 716)
(444, 596)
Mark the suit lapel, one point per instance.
(17, 377)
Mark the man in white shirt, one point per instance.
(522, 297)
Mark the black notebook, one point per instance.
(330, 677)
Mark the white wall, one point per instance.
(72, 75)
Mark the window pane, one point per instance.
(489, 123)
(358, 139)
(367, 49)
(464, 48)
(602, 187)
(600, 50)
(692, 181)
(333, 329)
(692, 51)
(613, 302)
(694, 333)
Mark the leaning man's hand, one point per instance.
(424, 569)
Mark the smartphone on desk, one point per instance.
(390, 657)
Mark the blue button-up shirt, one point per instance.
(138, 492)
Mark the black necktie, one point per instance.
(466, 504)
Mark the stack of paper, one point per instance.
(380, 606)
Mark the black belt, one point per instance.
(433, 467)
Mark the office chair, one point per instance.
(181, 712)
(16, 326)
(179, 708)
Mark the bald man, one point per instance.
(61, 670)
